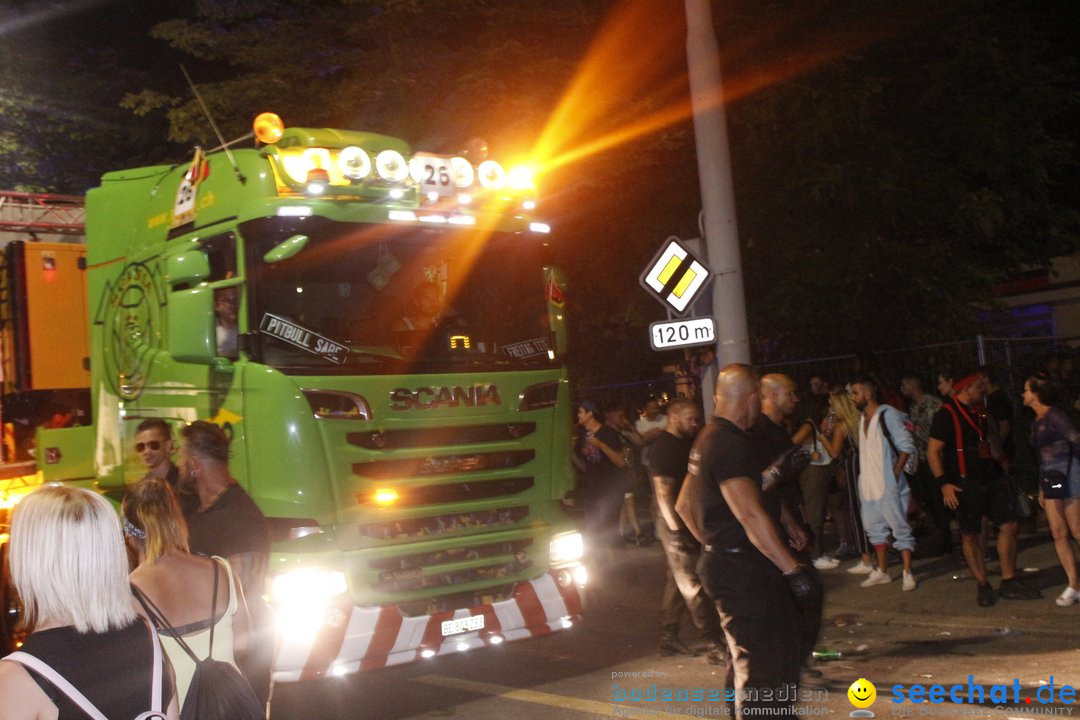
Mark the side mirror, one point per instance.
(286, 249)
(192, 335)
(187, 268)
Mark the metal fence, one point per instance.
(1014, 358)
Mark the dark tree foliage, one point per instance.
(66, 68)
(891, 162)
(885, 190)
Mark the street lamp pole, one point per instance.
(717, 193)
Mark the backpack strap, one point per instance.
(885, 430)
(213, 606)
(158, 618)
(46, 671)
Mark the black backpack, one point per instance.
(217, 691)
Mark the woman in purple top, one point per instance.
(1057, 444)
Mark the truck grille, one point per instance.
(440, 436)
(426, 527)
(406, 581)
(417, 561)
(443, 464)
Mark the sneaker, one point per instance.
(909, 582)
(670, 645)
(1015, 589)
(844, 551)
(877, 577)
(826, 563)
(1068, 597)
(861, 568)
(986, 597)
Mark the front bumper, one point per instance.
(355, 639)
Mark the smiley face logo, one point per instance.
(862, 693)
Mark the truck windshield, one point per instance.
(393, 298)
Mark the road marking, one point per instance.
(539, 698)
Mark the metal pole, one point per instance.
(717, 194)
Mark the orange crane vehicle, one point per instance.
(44, 350)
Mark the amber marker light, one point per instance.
(268, 128)
(386, 496)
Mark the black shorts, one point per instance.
(994, 499)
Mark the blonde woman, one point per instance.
(181, 585)
(844, 445)
(69, 567)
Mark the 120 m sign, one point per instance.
(682, 333)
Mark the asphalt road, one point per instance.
(934, 635)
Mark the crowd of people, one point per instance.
(741, 503)
(201, 548)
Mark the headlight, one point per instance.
(301, 601)
(566, 547)
(463, 172)
(492, 175)
(354, 163)
(391, 166)
(521, 178)
(300, 587)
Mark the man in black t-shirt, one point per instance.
(599, 457)
(973, 483)
(770, 439)
(747, 568)
(668, 461)
(227, 523)
(1000, 409)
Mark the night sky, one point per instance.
(942, 132)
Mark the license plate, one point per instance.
(468, 624)
(432, 173)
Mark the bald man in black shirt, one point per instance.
(747, 568)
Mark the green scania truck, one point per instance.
(381, 335)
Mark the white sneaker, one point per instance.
(861, 568)
(877, 577)
(1068, 597)
(909, 582)
(826, 563)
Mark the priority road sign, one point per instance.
(675, 276)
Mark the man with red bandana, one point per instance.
(965, 458)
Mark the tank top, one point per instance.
(199, 640)
(112, 669)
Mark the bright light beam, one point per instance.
(629, 57)
(39, 17)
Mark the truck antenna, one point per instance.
(221, 139)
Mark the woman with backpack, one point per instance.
(179, 588)
(69, 567)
